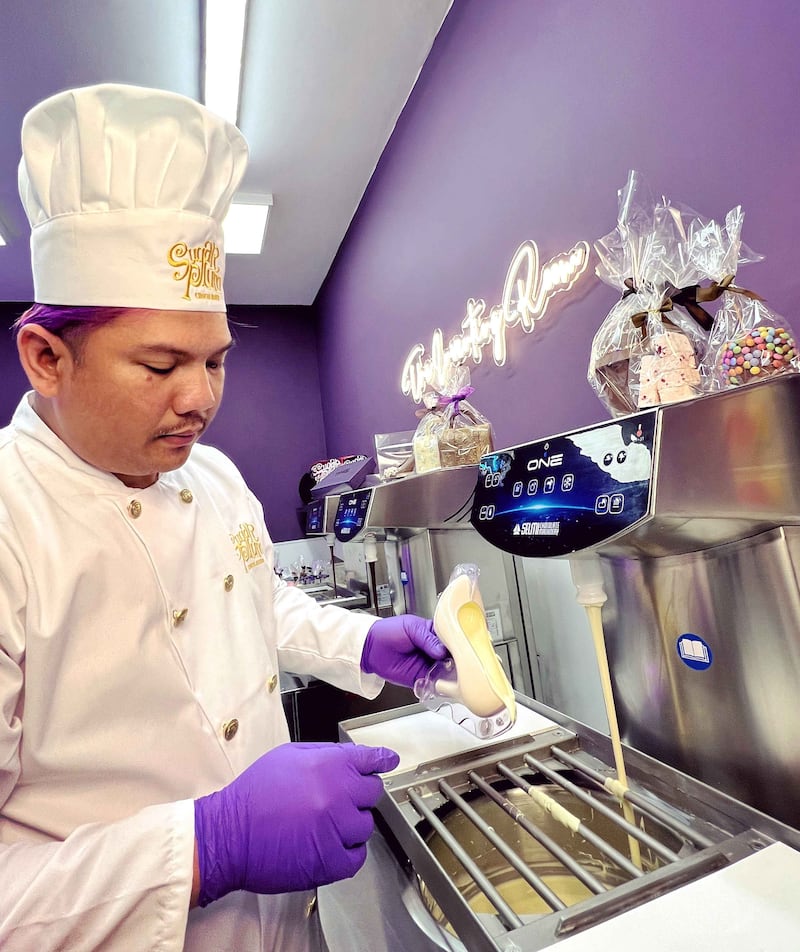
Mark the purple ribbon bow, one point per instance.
(455, 399)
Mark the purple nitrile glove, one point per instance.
(401, 649)
(297, 818)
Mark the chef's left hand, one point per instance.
(401, 649)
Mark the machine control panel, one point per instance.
(315, 517)
(567, 493)
(351, 514)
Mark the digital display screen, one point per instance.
(315, 516)
(351, 514)
(566, 493)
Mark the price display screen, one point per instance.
(351, 514)
(558, 496)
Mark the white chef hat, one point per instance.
(126, 189)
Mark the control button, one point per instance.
(517, 490)
(601, 505)
(135, 508)
(229, 728)
(179, 616)
(550, 484)
(567, 482)
(186, 495)
(228, 583)
(272, 683)
(533, 487)
(617, 503)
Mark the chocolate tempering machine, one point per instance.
(520, 842)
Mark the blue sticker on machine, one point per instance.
(694, 651)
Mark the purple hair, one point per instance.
(58, 318)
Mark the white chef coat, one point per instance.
(141, 636)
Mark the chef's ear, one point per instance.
(43, 356)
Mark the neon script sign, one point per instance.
(526, 294)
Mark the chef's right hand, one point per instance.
(297, 818)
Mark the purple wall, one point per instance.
(270, 422)
(523, 125)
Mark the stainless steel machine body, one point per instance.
(694, 512)
(700, 564)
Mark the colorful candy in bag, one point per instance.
(760, 350)
(749, 341)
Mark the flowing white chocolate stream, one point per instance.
(594, 613)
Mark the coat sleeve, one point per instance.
(322, 640)
(122, 886)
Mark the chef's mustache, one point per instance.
(192, 421)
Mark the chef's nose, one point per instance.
(197, 391)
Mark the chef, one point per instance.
(149, 798)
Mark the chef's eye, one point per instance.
(215, 364)
(159, 370)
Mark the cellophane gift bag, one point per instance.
(647, 351)
(451, 431)
(749, 341)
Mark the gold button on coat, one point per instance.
(228, 582)
(229, 728)
(178, 617)
(186, 495)
(135, 508)
(272, 683)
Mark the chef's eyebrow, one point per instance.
(169, 350)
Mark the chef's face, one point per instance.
(136, 393)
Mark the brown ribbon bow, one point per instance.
(690, 299)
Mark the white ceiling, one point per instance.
(324, 83)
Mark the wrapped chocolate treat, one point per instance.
(749, 341)
(426, 436)
(647, 350)
(451, 431)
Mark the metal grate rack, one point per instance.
(492, 837)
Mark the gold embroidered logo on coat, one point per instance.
(197, 268)
(248, 546)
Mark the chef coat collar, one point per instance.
(27, 421)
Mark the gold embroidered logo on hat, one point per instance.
(197, 268)
(126, 189)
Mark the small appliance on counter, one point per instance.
(320, 515)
